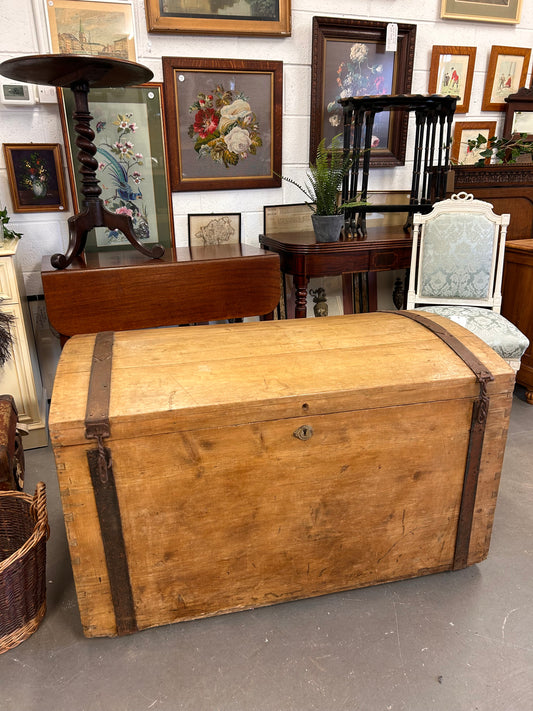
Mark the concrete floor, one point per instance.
(459, 641)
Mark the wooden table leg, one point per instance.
(300, 287)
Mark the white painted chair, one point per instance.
(456, 271)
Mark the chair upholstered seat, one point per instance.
(497, 332)
(456, 271)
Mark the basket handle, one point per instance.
(38, 509)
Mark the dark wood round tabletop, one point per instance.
(67, 69)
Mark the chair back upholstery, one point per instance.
(457, 257)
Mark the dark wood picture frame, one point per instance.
(506, 74)
(35, 176)
(159, 19)
(140, 183)
(224, 122)
(451, 73)
(213, 229)
(519, 113)
(342, 35)
(472, 129)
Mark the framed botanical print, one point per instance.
(482, 10)
(223, 121)
(451, 73)
(350, 58)
(506, 73)
(247, 17)
(214, 229)
(93, 27)
(35, 175)
(465, 131)
(132, 162)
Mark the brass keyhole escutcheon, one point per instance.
(304, 432)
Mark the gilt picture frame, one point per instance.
(271, 18)
(35, 176)
(464, 131)
(103, 28)
(224, 123)
(506, 11)
(451, 73)
(506, 73)
(128, 123)
(349, 58)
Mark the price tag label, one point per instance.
(391, 42)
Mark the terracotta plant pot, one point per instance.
(327, 227)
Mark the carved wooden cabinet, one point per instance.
(517, 302)
(509, 188)
(21, 377)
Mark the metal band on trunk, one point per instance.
(477, 433)
(105, 493)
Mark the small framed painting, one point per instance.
(214, 229)
(482, 10)
(223, 121)
(506, 74)
(465, 131)
(212, 17)
(92, 27)
(451, 73)
(35, 175)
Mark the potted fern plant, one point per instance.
(325, 178)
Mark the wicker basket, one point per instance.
(23, 535)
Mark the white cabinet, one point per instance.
(20, 376)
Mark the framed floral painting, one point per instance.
(35, 175)
(92, 27)
(132, 162)
(451, 73)
(214, 229)
(465, 131)
(223, 120)
(247, 17)
(506, 73)
(351, 58)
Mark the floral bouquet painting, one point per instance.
(361, 71)
(225, 128)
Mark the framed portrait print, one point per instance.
(98, 27)
(223, 121)
(451, 73)
(506, 73)
(350, 59)
(132, 162)
(482, 10)
(465, 131)
(35, 175)
(268, 18)
(214, 229)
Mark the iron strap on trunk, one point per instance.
(105, 493)
(477, 433)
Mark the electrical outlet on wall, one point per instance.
(47, 94)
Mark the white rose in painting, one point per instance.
(239, 109)
(238, 140)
